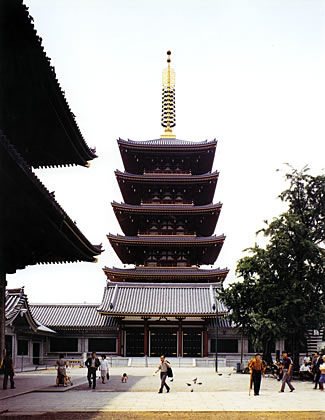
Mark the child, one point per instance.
(104, 371)
(124, 378)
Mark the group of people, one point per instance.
(257, 370)
(92, 363)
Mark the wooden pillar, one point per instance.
(3, 284)
(145, 340)
(205, 342)
(119, 336)
(180, 339)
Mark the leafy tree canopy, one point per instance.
(281, 293)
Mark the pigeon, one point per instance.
(220, 374)
(192, 390)
(194, 380)
(188, 384)
(199, 383)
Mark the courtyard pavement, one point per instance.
(36, 393)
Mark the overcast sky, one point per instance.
(249, 73)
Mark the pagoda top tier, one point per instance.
(167, 155)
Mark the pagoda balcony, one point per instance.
(167, 188)
(167, 172)
(163, 203)
(171, 250)
(168, 233)
(167, 219)
(144, 156)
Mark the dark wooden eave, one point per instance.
(34, 228)
(166, 274)
(197, 156)
(134, 249)
(34, 112)
(200, 219)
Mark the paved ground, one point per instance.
(219, 396)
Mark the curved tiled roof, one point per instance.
(165, 208)
(167, 142)
(161, 299)
(71, 316)
(165, 240)
(16, 302)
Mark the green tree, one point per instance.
(281, 291)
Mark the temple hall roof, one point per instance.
(18, 308)
(163, 299)
(72, 316)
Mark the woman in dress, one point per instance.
(61, 364)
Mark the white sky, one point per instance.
(250, 73)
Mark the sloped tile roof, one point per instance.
(160, 299)
(72, 316)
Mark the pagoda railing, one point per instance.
(167, 172)
(169, 203)
(188, 234)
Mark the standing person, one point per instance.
(9, 371)
(315, 369)
(322, 374)
(163, 365)
(61, 364)
(256, 369)
(287, 364)
(92, 363)
(104, 372)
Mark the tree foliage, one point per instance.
(281, 292)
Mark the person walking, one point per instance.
(322, 374)
(163, 367)
(287, 364)
(62, 365)
(92, 363)
(9, 371)
(104, 372)
(256, 369)
(315, 369)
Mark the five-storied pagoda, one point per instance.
(165, 303)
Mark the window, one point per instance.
(225, 345)
(106, 345)
(22, 347)
(64, 344)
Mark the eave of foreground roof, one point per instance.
(21, 187)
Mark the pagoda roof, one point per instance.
(72, 317)
(171, 143)
(35, 113)
(132, 218)
(166, 208)
(192, 183)
(202, 250)
(16, 303)
(163, 299)
(34, 227)
(170, 274)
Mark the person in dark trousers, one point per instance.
(92, 363)
(315, 369)
(287, 364)
(9, 371)
(163, 365)
(256, 368)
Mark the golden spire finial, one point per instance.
(168, 118)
